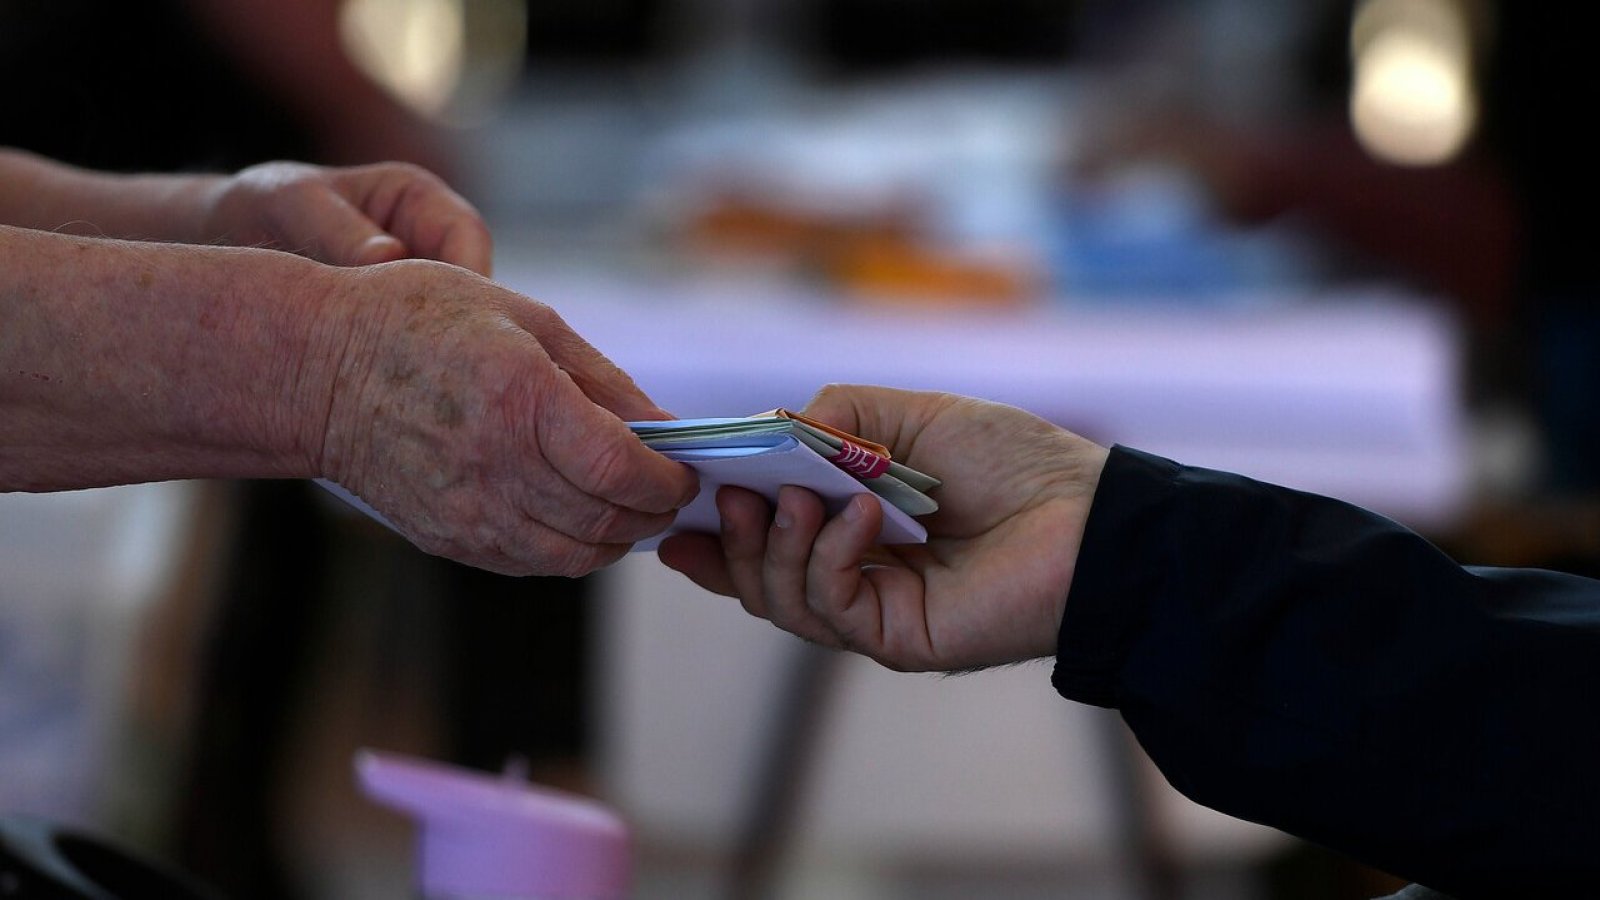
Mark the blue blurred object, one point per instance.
(1153, 235)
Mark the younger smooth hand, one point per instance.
(989, 586)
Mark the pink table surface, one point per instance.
(1353, 394)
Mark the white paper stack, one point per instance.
(763, 453)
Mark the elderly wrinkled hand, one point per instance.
(375, 354)
(350, 216)
(479, 424)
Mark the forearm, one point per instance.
(43, 194)
(1296, 661)
(124, 362)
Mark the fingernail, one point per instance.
(853, 511)
(382, 246)
(782, 518)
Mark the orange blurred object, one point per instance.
(889, 268)
(875, 258)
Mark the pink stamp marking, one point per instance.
(859, 461)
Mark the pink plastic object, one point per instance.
(488, 836)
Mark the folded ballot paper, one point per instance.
(764, 452)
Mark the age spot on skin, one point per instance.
(146, 280)
(401, 374)
(439, 318)
(447, 412)
(415, 303)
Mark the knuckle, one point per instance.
(425, 275)
(540, 318)
(742, 552)
(741, 545)
(607, 470)
(822, 601)
(275, 174)
(824, 398)
(572, 559)
(827, 392)
(787, 551)
(753, 604)
(606, 524)
(747, 553)
(299, 192)
(784, 616)
(849, 639)
(407, 170)
(577, 560)
(298, 180)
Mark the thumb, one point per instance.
(835, 405)
(875, 413)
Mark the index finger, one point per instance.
(600, 379)
(467, 243)
(417, 207)
(597, 454)
(437, 223)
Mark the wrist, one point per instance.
(252, 385)
(46, 195)
(343, 320)
(1086, 463)
(179, 208)
(137, 362)
(316, 335)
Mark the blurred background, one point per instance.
(1329, 244)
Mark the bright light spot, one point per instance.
(1441, 21)
(1413, 100)
(414, 48)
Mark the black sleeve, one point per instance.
(1302, 663)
